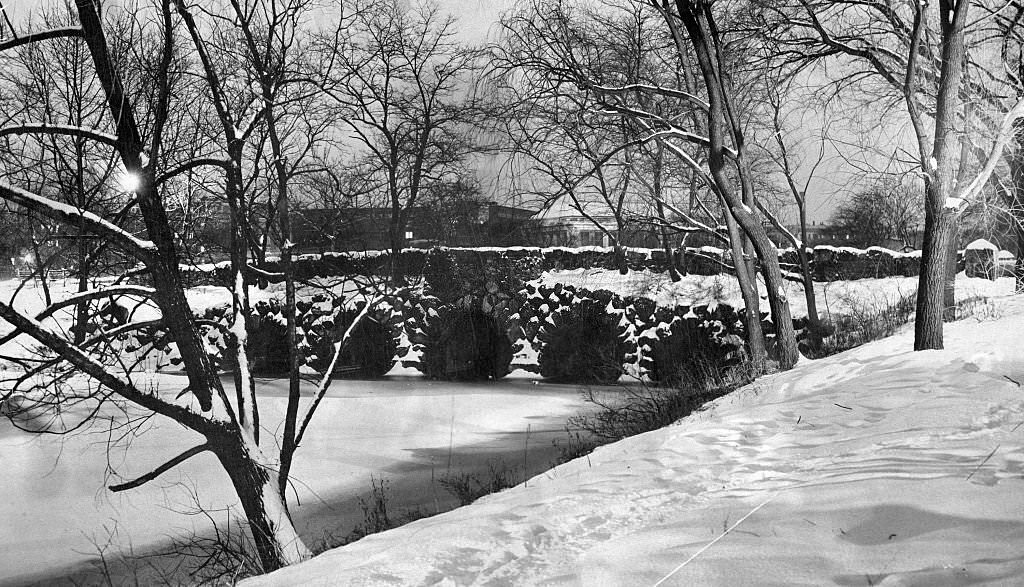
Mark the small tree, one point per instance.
(403, 100)
(888, 210)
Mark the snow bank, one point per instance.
(876, 466)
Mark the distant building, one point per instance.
(820, 233)
(562, 224)
(361, 229)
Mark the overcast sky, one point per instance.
(477, 21)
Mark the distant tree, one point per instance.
(451, 211)
(888, 210)
(403, 98)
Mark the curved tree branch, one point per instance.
(195, 450)
(142, 250)
(41, 36)
(59, 129)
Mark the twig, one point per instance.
(982, 463)
(719, 537)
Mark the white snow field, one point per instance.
(878, 466)
(832, 297)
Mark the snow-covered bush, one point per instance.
(695, 346)
(583, 341)
(457, 343)
(371, 350)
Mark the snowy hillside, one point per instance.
(879, 466)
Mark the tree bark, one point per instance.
(939, 235)
(276, 541)
(697, 19)
(751, 301)
(941, 214)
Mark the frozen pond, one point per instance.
(57, 513)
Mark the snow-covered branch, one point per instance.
(670, 92)
(85, 296)
(59, 129)
(37, 36)
(139, 248)
(1006, 132)
(98, 371)
(325, 381)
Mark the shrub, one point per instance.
(469, 487)
(696, 347)
(459, 344)
(370, 351)
(268, 339)
(583, 342)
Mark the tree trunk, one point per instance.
(768, 253)
(949, 283)
(80, 329)
(276, 541)
(755, 334)
(939, 233)
(815, 329)
(1015, 203)
(1018, 263)
(941, 213)
(396, 232)
(697, 19)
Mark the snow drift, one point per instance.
(878, 466)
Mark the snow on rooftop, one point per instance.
(880, 465)
(981, 244)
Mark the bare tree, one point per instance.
(888, 210)
(562, 59)
(245, 68)
(402, 92)
(915, 54)
(50, 84)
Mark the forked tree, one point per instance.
(917, 54)
(243, 106)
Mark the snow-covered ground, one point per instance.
(833, 297)
(878, 466)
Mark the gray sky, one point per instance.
(477, 20)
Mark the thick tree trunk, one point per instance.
(697, 19)
(768, 253)
(396, 232)
(941, 212)
(939, 233)
(755, 334)
(276, 541)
